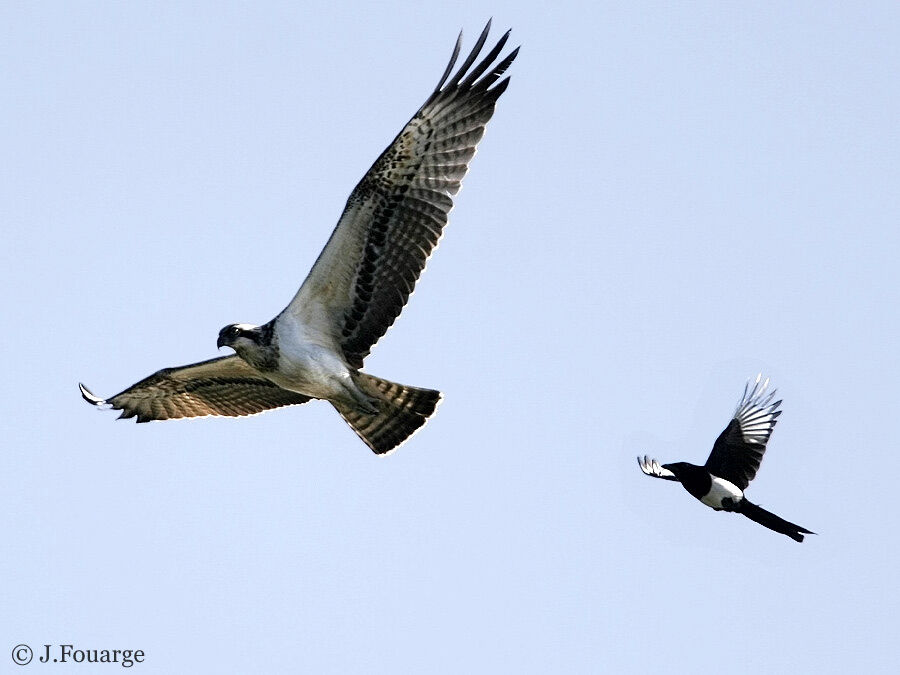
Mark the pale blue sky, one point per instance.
(670, 198)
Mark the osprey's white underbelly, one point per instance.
(308, 363)
(722, 489)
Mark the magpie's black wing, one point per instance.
(739, 449)
(224, 386)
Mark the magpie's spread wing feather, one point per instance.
(396, 214)
(739, 449)
(652, 468)
(224, 386)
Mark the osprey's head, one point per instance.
(238, 336)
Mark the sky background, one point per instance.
(671, 198)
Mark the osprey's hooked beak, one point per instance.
(231, 335)
(224, 338)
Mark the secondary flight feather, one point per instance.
(361, 281)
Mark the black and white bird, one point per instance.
(733, 462)
(357, 287)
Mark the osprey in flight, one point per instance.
(357, 287)
(733, 462)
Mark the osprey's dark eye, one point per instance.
(235, 331)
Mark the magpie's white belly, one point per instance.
(722, 489)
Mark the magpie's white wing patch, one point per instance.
(396, 214)
(739, 449)
(225, 386)
(651, 467)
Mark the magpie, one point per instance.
(733, 462)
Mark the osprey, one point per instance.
(733, 462)
(357, 287)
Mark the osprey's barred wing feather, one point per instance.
(739, 449)
(225, 386)
(396, 214)
(652, 468)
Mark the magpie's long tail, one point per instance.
(759, 515)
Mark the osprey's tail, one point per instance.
(401, 411)
(759, 515)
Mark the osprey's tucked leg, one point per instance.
(365, 405)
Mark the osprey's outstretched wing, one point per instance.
(739, 449)
(652, 468)
(224, 386)
(395, 215)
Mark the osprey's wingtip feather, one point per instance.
(89, 396)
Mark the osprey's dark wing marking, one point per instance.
(739, 449)
(224, 386)
(396, 214)
(652, 468)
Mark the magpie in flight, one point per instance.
(733, 462)
(357, 287)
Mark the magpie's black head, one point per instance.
(234, 335)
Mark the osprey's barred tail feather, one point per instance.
(759, 515)
(401, 411)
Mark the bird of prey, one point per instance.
(733, 462)
(357, 287)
